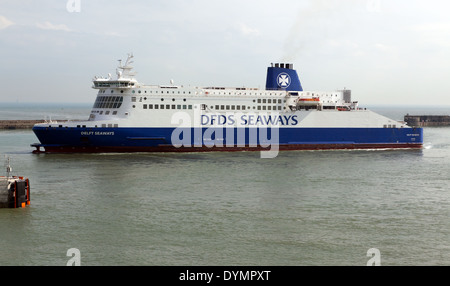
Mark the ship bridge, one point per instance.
(125, 77)
(102, 83)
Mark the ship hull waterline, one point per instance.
(130, 140)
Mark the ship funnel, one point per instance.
(282, 76)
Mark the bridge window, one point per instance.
(109, 101)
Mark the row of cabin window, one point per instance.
(161, 92)
(242, 93)
(107, 112)
(268, 100)
(207, 92)
(217, 107)
(133, 99)
(243, 107)
(229, 107)
(269, 107)
(96, 126)
(166, 106)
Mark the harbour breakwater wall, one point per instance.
(427, 120)
(20, 124)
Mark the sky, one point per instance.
(386, 52)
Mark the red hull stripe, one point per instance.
(170, 148)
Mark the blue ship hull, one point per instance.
(75, 140)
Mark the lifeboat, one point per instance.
(309, 101)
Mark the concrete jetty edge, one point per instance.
(20, 124)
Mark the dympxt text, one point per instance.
(236, 275)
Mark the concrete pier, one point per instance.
(18, 124)
(23, 124)
(427, 120)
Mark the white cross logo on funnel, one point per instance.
(284, 80)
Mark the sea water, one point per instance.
(230, 208)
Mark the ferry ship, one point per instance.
(128, 116)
